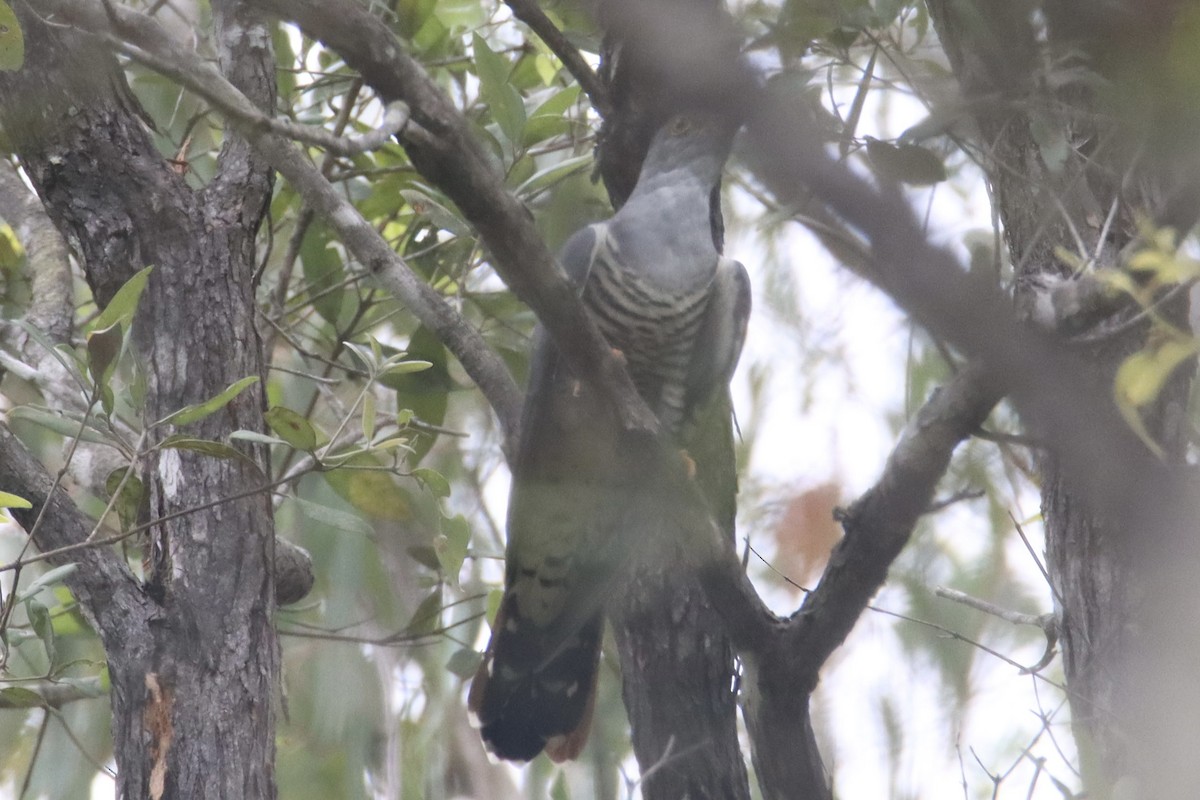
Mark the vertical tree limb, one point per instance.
(208, 665)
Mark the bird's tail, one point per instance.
(536, 687)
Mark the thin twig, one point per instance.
(958, 497)
(1015, 617)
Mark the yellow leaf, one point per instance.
(1142, 376)
(12, 40)
(372, 491)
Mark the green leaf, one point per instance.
(1140, 380)
(338, 520)
(1141, 377)
(255, 436)
(8, 500)
(424, 555)
(107, 399)
(368, 417)
(194, 413)
(906, 163)
(428, 616)
(12, 254)
(464, 662)
(372, 491)
(124, 303)
(392, 443)
(460, 14)
(324, 273)
(62, 353)
(43, 626)
(545, 178)
(424, 393)
(451, 545)
(494, 599)
(12, 40)
(940, 120)
(87, 687)
(205, 446)
(103, 348)
(550, 118)
(47, 579)
(508, 109)
(559, 789)
(1162, 266)
(59, 423)
(424, 205)
(559, 103)
(408, 367)
(292, 427)
(18, 697)
(412, 15)
(433, 480)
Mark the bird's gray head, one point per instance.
(695, 141)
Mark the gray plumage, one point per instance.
(660, 292)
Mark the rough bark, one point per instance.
(194, 674)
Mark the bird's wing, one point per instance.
(722, 333)
(535, 689)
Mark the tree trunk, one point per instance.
(1132, 712)
(194, 675)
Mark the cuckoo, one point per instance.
(662, 294)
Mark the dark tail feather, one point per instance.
(536, 691)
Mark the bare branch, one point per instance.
(1015, 617)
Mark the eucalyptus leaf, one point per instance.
(464, 662)
(8, 500)
(428, 616)
(292, 427)
(507, 107)
(197, 412)
(47, 579)
(62, 424)
(43, 626)
(451, 546)
(20, 697)
(12, 40)
(124, 303)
